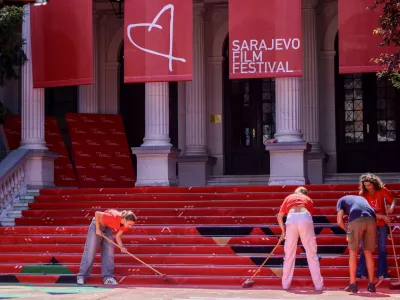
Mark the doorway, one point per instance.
(367, 114)
(249, 114)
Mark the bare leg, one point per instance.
(369, 259)
(353, 265)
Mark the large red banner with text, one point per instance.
(265, 38)
(64, 173)
(62, 43)
(358, 46)
(100, 150)
(158, 40)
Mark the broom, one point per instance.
(249, 282)
(163, 276)
(393, 285)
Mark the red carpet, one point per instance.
(203, 236)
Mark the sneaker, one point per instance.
(323, 288)
(352, 287)
(80, 281)
(387, 277)
(371, 287)
(110, 281)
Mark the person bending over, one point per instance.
(299, 207)
(372, 189)
(104, 223)
(361, 227)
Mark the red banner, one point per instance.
(158, 40)
(357, 43)
(101, 151)
(265, 38)
(62, 43)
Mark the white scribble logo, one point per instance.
(154, 24)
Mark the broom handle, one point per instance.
(394, 249)
(265, 261)
(137, 258)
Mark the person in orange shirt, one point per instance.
(372, 189)
(299, 207)
(104, 223)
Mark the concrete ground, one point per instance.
(93, 293)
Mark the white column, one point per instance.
(309, 104)
(32, 99)
(157, 115)
(288, 92)
(196, 138)
(87, 98)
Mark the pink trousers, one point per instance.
(300, 224)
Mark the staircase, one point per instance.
(201, 236)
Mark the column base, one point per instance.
(39, 169)
(194, 170)
(316, 166)
(156, 166)
(288, 163)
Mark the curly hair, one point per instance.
(128, 215)
(373, 179)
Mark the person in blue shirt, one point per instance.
(361, 227)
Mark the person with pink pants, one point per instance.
(299, 208)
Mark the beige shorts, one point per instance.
(362, 229)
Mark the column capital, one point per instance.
(215, 60)
(309, 4)
(198, 9)
(329, 54)
(112, 65)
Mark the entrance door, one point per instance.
(132, 109)
(367, 115)
(249, 113)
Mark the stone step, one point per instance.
(27, 198)
(20, 206)
(14, 214)
(7, 222)
(33, 192)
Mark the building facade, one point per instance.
(281, 131)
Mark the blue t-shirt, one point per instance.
(355, 207)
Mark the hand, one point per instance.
(124, 250)
(283, 236)
(99, 232)
(390, 210)
(385, 218)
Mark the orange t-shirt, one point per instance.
(112, 218)
(297, 200)
(377, 203)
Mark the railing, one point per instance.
(12, 176)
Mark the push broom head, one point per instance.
(395, 285)
(248, 283)
(164, 278)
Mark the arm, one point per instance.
(119, 242)
(383, 217)
(340, 222)
(280, 222)
(99, 221)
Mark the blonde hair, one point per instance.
(371, 178)
(301, 190)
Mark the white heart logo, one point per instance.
(155, 25)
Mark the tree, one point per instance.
(389, 29)
(12, 56)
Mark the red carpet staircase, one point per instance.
(202, 236)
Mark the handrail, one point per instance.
(12, 175)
